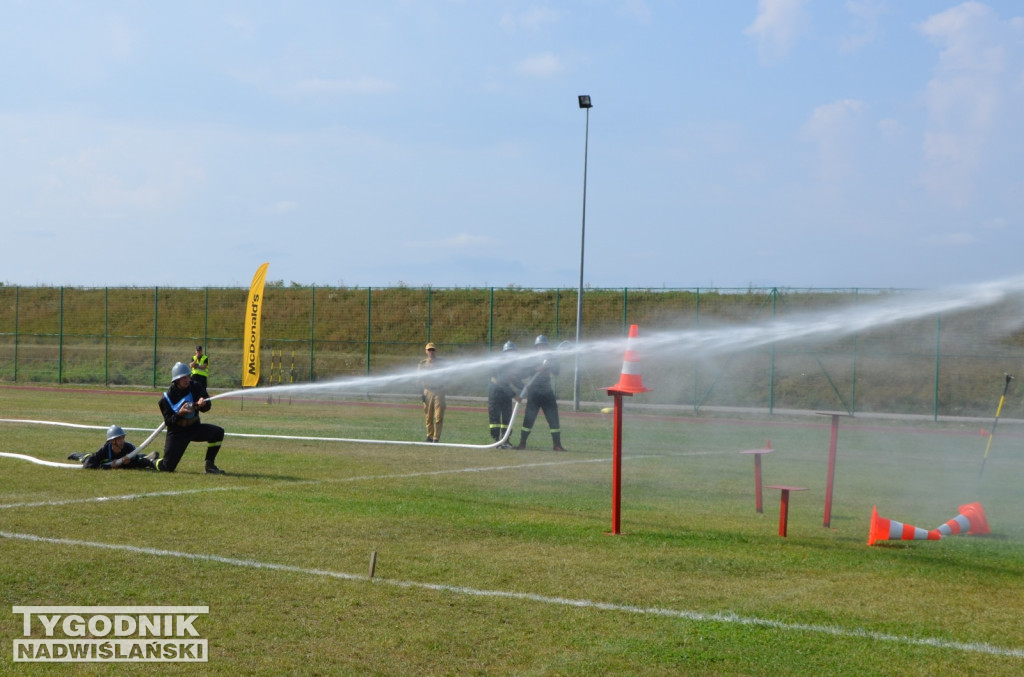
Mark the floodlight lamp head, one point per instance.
(585, 101)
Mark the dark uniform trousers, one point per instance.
(178, 439)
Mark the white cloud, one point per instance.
(532, 19)
(963, 98)
(284, 207)
(119, 38)
(865, 15)
(778, 25)
(364, 85)
(890, 128)
(543, 65)
(241, 24)
(637, 9)
(835, 128)
(134, 172)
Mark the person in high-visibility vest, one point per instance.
(200, 365)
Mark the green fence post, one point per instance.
(558, 299)
(369, 326)
(771, 362)
(625, 311)
(60, 340)
(312, 330)
(490, 325)
(106, 336)
(17, 303)
(696, 363)
(156, 326)
(935, 395)
(853, 376)
(206, 322)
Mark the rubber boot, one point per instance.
(522, 439)
(211, 454)
(556, 442)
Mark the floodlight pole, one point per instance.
(584, 100)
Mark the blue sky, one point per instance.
(790, 143)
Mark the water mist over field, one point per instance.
(662, 351)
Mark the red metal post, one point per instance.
(616, 461)
(757, 482)
(784, 505)
(757, 453)
(784, 512)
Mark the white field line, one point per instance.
(695, 616)
(358, 478)
(304, 438)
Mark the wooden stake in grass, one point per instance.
(373, 563)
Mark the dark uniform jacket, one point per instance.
(171, 402)
(102, 457)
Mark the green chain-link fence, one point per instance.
(937, 365)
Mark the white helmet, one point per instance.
(541, 340)
(178, 370)
(114, 431)
(508, 346)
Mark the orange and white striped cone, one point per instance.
(630, 380)
(890, 530)
(971, 520)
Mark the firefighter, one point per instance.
(540, 396)
(503, 388)
(180, 406)
(114, 454)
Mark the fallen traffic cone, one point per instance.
(630, 380)
(890, 530)
(971, 520)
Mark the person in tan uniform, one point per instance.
(433, 394)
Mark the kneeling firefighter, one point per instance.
(180, 406)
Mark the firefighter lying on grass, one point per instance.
(113, 454)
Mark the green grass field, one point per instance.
(500, 562)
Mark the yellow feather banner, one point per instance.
(253, 315)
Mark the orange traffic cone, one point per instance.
(630, 380)
(890, 530)
(971, 520)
